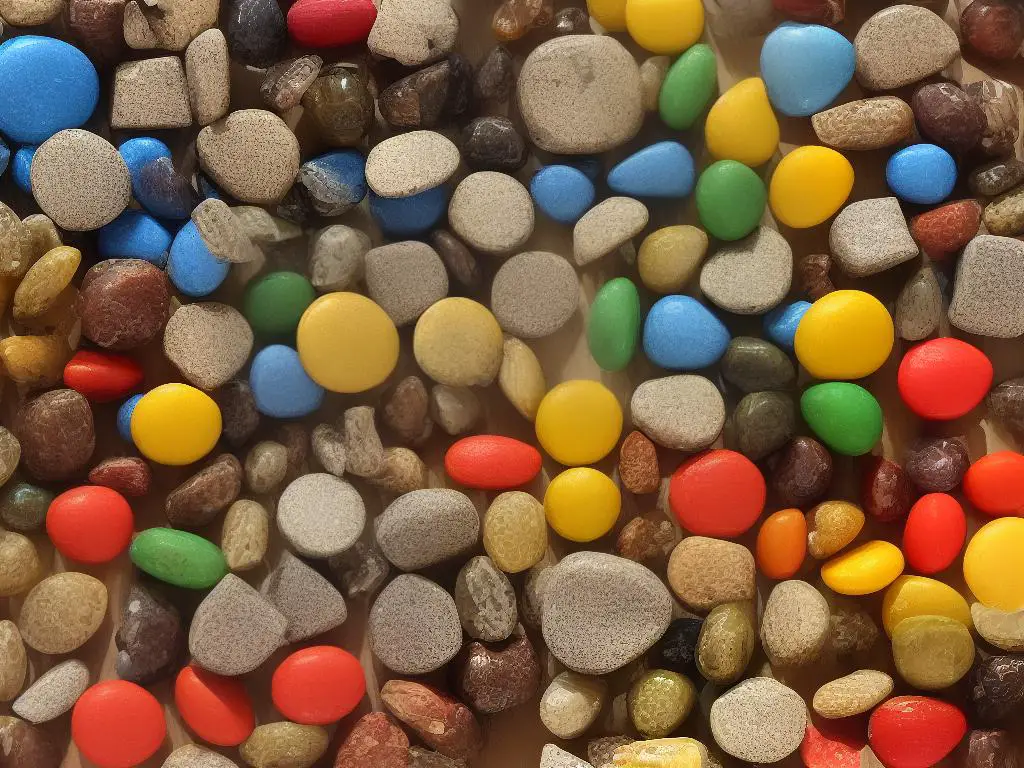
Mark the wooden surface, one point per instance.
(515, 738)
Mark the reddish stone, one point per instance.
(123, 303)
(442, 722)
(98, 26)
(128, 475)
(813, 11)
(56, 434)
(993, 28)
(833, 743)
(643, 540)
(498, 676)
(946, 229)
(638, 464)
(199, 499)
(886, 492)
(948, 116)
(374, 742)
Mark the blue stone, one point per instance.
(921, 173)
(46, 85)
(192, 268)
(409, 217)
(138, 153)
(681, 334)
(124, 418)
(135, 235)
(22, 168)
(281, 386)
(562, 193)
(335, 181)
(664, 169)
(5, 156)
(780, 324)
(805, 67)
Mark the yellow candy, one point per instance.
(661, 753)
(458, 342)
(665, 26)
(920, 596)
(809, 186)
(175, 424)
(868, 568)
(844, 335)
(993, 567)
(610, 14)
(347, 343)
(741, 125)
(582, 504)
(579, 422)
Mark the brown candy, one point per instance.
(197, 501)
(150, 640)
(993, 28)
(638, 464)
(1001, 105)
(514, 18)
(56, 434)
(494, 677)
(801, 472)
(991, 749)
(340, 105)
(123, 303)
(937, 465)
(374, 742)
(886, 492)
(813, 275)
(442, 722)
(128, 475)
(948, 116)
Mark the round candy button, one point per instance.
(718, 493)
(995, 484)
(117, 724)
(90, 524)
(665, 26)
(844, 335)
(944, 379)
(582, 504)
(216, 708)
(175, 424)
(993, 567)
(935, 532)
(579, 422)
(318, 685)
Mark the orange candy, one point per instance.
(318, 685)
(782, 544)
(995, 484)
(90, 524)
(117, 724)
(216, 708)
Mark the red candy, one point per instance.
(717, 493)
(216, 708)
(995, 484)
(835, 744)
(492, 462)
(90, 524)
(328, 23)
(318, 685)
(102, 376)
(935, 533)
(117, 724)
(944, 379)
(915, 731)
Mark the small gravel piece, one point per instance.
(336, 257)
(208, 342)
(486, 601)
(571, 704)
(427, 527)
(492, 212)
(760, 720)
(685, 413)
(320, 515)
(405, 278)
(608, 225)
(414, 32)
(410, 163)
(556, 757)
(208, 70)
(749, 277)
(919, 306)
(194, 756)
(414, 626)
(455, 409)
(224, 233)
(534, 294)
(871, 236)
(53, 693)
(306, 599)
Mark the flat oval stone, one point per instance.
(795, 624)
(865, 124)
(609, 224)
(662, 170)
(534, 294)
(150, 638)
(320, 515)
(62, 612)
(427, 527)
(194, 756)
(405, 279)
(684, 413)
(272, 744)
(805, 67)
(889, 58)
(414, 33)
(871, 236)
(53, 693)
(760, 720)
(853, 694)
(756, 365)
(989, 278)
(705, 572)
(198, 500)
(414, 626)
(208, 342)
(749, 277)
(932, 652)
(996, 177)
(492, 212)
(571, 703)
(410, 163)
(13, 662)
(485, 600)
(493, 678)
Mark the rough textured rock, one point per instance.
(492, 678)
(442, 722)
(795, 624)
(306, 599)
(198, 500)
(150, 639)
(374, 742)
(56, 434)
(707, 572)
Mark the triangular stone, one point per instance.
(309, 601)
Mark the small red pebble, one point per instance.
(943, 231)
(90, 524)
(995, 484)
(944, 379)
(835, 744)
(117, 724)
(934, 534)
(216, 708)
(318, 685)
(128, 475)
(102, 376)
(717, 493)
(492, 462)
(374, 742)
(915, 731)
(329, 23)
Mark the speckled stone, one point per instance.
(251, 154)
(937, 465)
(256, 31)
(493, 144)
(439, 720)
(762, 423)
(1006, 402)
(756, 365)
(580, 94)
(600, 612)
(286, 82)
(329, 448)
(266, 465)
(198, 500)
(749, 277)
(405, 410)
(455, 409)
(150, 93)
(707, 572)
(486, 601)
(375, 741)
(410, 163)
(832, 525)
(988, 295)
(919, 306)
(364, 452)
(30, 13)
(404, 472)
(996, 177)
(361, 569)
(1005, 214)
(208, 342)
(418, 100)
(813, 275)
(571, 704)
(427, 527)
(123, 303)
(245, 534)
(990, 749)
(659, 701)
(62, 612)
(272, 745)
(947, 116)
(534, 294)
(865, 124)
(901, 45)
(79, 180)
(405, 278)
(26, 746)
(53, 693)
(492, 212)
(10, 455)
(645, 541)
(194, 756)
(56, 434)
(208, 71)
(419, 757)
(14, 663)
(320, 515)
(760, 720)
(170, 25)
(458, 259)
(223, 233)
(493, 678)
(336, 257)
(607, 226)
(652, 74)
(19, 566)
(556, 757)
(238, 412)
(413, 32)
(726, 643)
(795, 624)
(601, 751)
(853, 631)
(235, 629)
(1003, 629)
(150, 640)
(685, 413)
(23, 507)
(495, 76)
(414, 626)
(638, 464)
(871, 236)
(1000, 103)
(306, 599)
(853, 694)
(995, 697)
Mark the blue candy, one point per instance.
(46, 85)
(409, 217)
(681, 334)
(805, 67)
(5, 156)
(192, 268)
(664, 169)
(140, 152)
(562, 192)
(780, 324)
(281, 386)
(921, 173)
(335, 181)
(22, 168)
(135, 235)
(124, 418)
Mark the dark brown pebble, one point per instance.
(56, 434)
(493, 144)
(296, 207)
(886, 492)
(24, 506)
(813, 275)
(256, 31)
(801, 472)
(150, 640)
(285, 83)
(128, 475)
(458, 259)
(417, 100)
(1001, 105)
(98, 26)
(426, 758)
(495, 76)
(991, 749)
(494, 677)
(995, 691)
(677, 649)
(993, 28)
(997, 177)
(937, 465)
(460, 86)
(572, 21)
(198, 500)
(123, 303)
(165, 191)
(948, 116)
(406, 410)
(340, 106)
(238, 412)
(295, 438)
(1006, 402)
(26, 746)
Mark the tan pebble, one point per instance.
(208, 70)
(53, 693)
(10, 454)
(137, 32)
(750, 276)
(901, 45)
(831, 526)
(795, 624)
(458, 342)
(405, 279)
(208, 342)
(534, 294)
(865, 124)
(223, 232)
(608, 225)
(1005, 214)
(706, 572)
(515, 533)
(34, 362)
(853, 694)
(652, 75)
(726, 642)
(79, 180)
(427, 527)
(44, 236)
(364, 452)
(571, 704)
(19, 563)
(638, 464)
(265, 466)
(284, 745)
(492, 212)
(410, 163)
(62, 611)
(13, 662)
(329, 448)
(150, 93)
(336, 257)
(306, 599)
(404, 472)
(168, 24)
(245, 535)
(17, 244)
(1003, 629)
(455, 409)
(414, 32)
(262, 227)
(252, 154)
(759, 721)
(29, 13)
(405, 410)
(194, 756)
(521, 378)
(669, 257)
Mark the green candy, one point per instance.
(179, 558)
(274, 304)
(730, 200)
(845, 416)
(689, 85)
(614, 325)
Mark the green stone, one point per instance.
(274, 304)
(932, 652)
(179, 558)
(726, 643)
(614, 326)
(730, 200)
(845, 416)
(659, 702)
(688, 87)
(24, 507)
